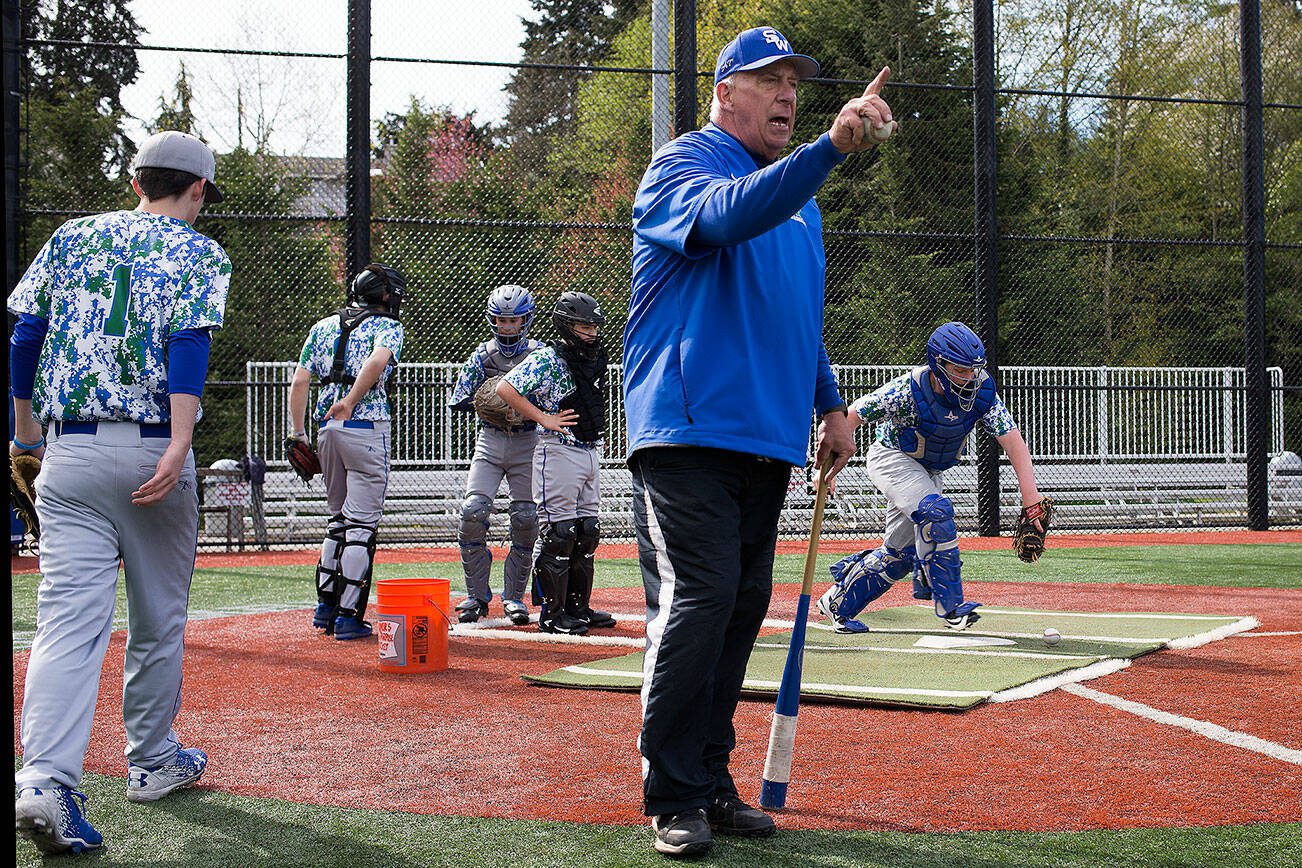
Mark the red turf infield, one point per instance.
(287, 714)
(27, 564)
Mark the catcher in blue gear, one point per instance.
(923, 419)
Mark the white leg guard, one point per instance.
(355, 565)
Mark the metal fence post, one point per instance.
(1256, 403)
(357, 155)
(684, 66)
(986, 229)
(12, 204)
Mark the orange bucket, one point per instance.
(412, 622)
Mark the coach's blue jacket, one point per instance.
(724, 342)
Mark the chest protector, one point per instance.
(937, 441)
(349, 319)
(497, 363)
(589, 396)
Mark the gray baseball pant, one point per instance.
(87, 523)
(499, 454)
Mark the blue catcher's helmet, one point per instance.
(956, 343)
(510, 300)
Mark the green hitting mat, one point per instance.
(909, 660)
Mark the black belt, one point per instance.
(514, 429)
(156, 429)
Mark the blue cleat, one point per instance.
(324, 618)
(150, 785)
(53, 819)
(347, 628)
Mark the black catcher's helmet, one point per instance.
(369, 286)
(572, 308)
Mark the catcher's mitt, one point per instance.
(302, 457)
(1028, 540)
(490, 407)
(22, 490)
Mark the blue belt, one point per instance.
(354, 423)
(157, 429)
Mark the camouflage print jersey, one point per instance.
(545, 380)
(113, 287)
(319, 354)
(893, 409)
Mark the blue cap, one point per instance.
(759, 47)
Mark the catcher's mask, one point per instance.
(956, 343)
(573, 308)
(371, 284)
(510, 300)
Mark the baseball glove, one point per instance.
(490, 407)
(302, 457)
(1028, 540)
(22, 490)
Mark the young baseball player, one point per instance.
(354, 353)
(500, 451)
(923, 419)
(562, 388)
(115, 316)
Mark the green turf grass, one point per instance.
(1274, 565)
(199, 827)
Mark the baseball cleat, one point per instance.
(324, 618)
(561, 623)
(516, 611)
(842, 625)
(53, 819)
(150, 785)
(471, 610)
(347, 628)
(594, 619)
(961, 622)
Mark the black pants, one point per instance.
(706, 524)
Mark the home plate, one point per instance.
(960, 641)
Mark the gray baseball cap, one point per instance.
(184, 153)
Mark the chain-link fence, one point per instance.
(1118, 292)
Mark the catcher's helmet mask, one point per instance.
(510, 300)
(957, 344)
(372, 283)
(573, 308)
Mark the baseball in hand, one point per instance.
(1052, 637)
(878, 134)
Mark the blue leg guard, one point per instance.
(944, 570)
(860, 579)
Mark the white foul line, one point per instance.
(1201, 727)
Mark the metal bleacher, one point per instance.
(1117, 448)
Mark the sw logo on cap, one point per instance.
(771, 35)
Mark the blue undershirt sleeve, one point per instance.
(747, 208)
(187, 361)
(826, 392)
(24, 351)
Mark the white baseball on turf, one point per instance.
(1052, 637)
(878, 134)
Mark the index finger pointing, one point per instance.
(875, 86)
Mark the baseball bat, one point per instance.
(782, 735)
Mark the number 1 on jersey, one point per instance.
(116, 324)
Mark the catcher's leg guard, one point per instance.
(476, 559)
(328, 581)
(942, 565)
(860, 579)
(578, 597)
(551, 574)
(524, 533)
(356, 558)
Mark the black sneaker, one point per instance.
(682, 835)
(729, 815)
